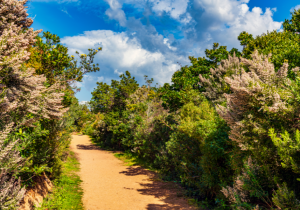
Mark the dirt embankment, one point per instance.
(109, 185)
(34, 195)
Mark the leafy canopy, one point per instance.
(187, 78)
(284, 46)
(52, 60)
(106, 98)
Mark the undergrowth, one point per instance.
(67, 192)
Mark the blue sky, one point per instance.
(151, 37)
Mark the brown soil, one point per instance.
(34, 195)
(110, 185)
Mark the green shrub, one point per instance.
(233, 137)
(198, 148)
(258, 112)
(285, 199)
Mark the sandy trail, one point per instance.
(109, 185)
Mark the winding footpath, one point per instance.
(110, 185)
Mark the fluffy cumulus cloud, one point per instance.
(255, 22)
(200, 22)
(222, 21)
(156, 34)
(115, 12)
(121, 53)
(175, 8)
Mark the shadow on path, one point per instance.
(109, 184)
(135, 171)
(88, 147)
(168, 192)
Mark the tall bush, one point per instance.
(110, 100)
(262, 110)
(10, 160)
(186, 78)
(24, 99)
(149, 134)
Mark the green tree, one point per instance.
(102, 98)
(107, 98)
(111, 100)
(52, 60)
(284, 46)
(293, 25)
(187, 78)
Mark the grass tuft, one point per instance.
(67, 192)
(127, 159)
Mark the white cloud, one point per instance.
(115, 12)
(254, 22)
(166, 42)
(186, 18)
(121, 53)
(118, 72)
(174, 7)
(224, 20)
(236, 14)
(295, 8)
(83, 102)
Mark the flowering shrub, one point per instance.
(261, 110)
(227, 128)
(188, 146)
(10, 160)
(24, 99)
(33, 104)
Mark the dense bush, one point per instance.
(262, 112)
(35, 93)
(190, 146)
(198, 148)
(18, 106)
(111, 100)
(226, 128)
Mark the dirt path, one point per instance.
(109, 185)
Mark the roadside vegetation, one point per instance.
(226, 128)
(67, 193)
(36, 103)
